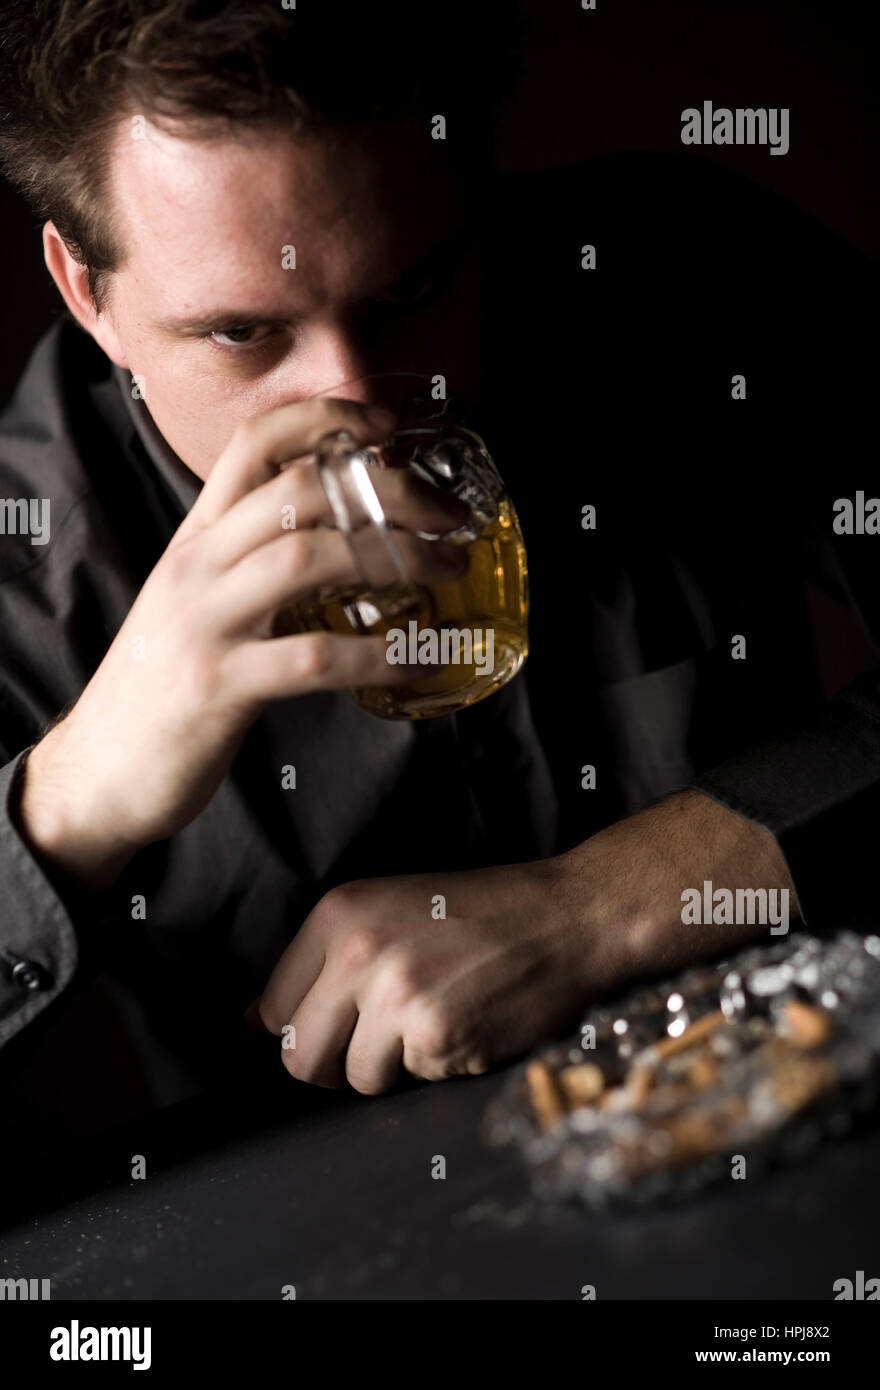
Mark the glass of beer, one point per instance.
(471, 634)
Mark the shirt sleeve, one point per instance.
(818, 790)
(38, 941)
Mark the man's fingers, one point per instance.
(295, 500)
(291, 980)
(278, 668)
(328, 1043)
(322, 1026)
(303, 562)
(375, 1055)
(263, 443)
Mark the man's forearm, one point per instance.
(631, 877)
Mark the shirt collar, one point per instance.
(182, 481)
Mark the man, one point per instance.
(149, 710)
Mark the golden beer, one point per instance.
(492, 595)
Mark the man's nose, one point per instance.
(339, 366)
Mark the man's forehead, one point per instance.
(351, 204)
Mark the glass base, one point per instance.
(444, 693)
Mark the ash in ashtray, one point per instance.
(719, 1070)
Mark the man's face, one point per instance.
(204, 311)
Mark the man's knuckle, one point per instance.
(339, 908)
(400, 984)
(430, 1031)
(316, 656)
(324, 414)
(346, 897)
(300, 553)
(360, 949)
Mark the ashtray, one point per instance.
(713, 1073)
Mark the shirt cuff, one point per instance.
(38, 942)
(818, 792)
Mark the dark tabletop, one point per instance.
(248, 1191)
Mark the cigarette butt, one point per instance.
(546, 1099)
(805, 1025)
(693, 1136)
(637, 1085)
(675, 1142)
(682, 1138)
(582, 1084)
(797, 1080)
(703, 1071)
(632, 1092)
(615, 1098)
(696, 1033)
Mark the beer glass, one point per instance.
(471, 634)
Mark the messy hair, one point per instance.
(70, 70)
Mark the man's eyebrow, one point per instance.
(217, 320)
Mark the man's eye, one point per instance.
(409, 289)
(235, 336)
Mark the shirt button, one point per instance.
(27, 975)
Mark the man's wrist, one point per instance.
(64, 839)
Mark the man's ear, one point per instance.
(73, 283)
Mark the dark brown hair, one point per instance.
(70, 70)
